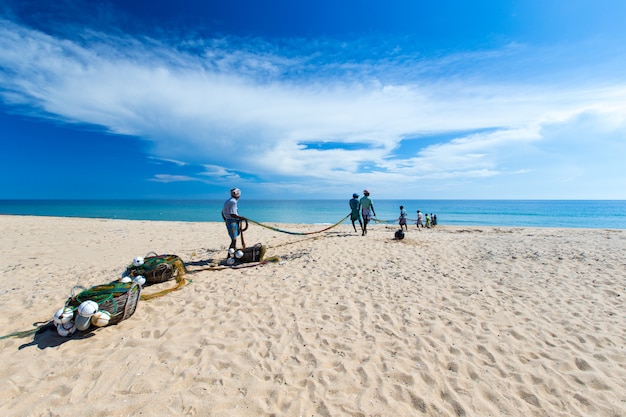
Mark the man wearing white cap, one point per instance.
(367, 209)
(232, 217)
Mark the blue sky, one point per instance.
(283, 99)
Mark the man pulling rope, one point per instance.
(232, 218)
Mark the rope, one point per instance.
(181, 281)
(375, 220)
(23, 333)
(393, 221)
(273, 259)
(276, 229)
(151, 264)
(243, 229)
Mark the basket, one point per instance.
(157, 268)
(119, 299)
(253, 254)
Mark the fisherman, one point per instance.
(232, 217)
(367, 209)
(420, 220)
(402, 219)
(355, 206)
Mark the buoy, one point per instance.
(138, 261)
(399, 234)
(82, 322)
(63, 315)
(101, 318)
(139, 280)
(239, 254)
(66, 329)
(87, 308)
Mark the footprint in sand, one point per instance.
(582, 364)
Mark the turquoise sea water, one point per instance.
(610, 214)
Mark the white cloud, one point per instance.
(217, 173)
(171, 161)
(238, 111)
(172, 178)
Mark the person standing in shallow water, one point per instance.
(355, 214)
(367, 209)
(232, 217)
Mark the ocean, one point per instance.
(607, 214)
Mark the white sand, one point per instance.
(452, 321)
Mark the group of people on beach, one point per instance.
(362, 210)
(431, 220)
(365, 207)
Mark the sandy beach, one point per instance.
(450, 321)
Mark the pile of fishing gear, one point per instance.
(110, 303)
(155, 268)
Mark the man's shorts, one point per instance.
(366, 215)
(232, 225)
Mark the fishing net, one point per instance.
(118, 298)
(157, 268)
